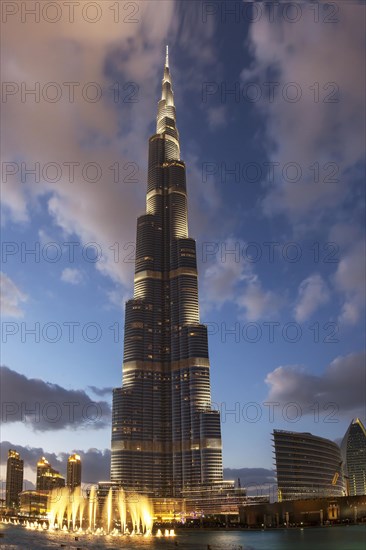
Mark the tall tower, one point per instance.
(14, 478)
(354, 456)
(73, 478)
(166, 439)
(47, 477)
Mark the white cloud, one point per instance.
(222, 272)
(311, 130)
(217, 116)
(11, 297)
(313, 293)
(259, 303)
(342, 383)
(44, 237)
(117, 298)
(349, 280)
(228, 278)
(72, 276)
(103, 132)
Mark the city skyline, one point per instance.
(274, 254)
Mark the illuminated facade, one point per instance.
(14, 478)
(354, 457)
(307, 466)
(73, 478)
(166, 439)
(34, 503)
(47, 477)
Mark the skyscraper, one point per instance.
(354, 456)
(166, 439)
(14, 478)
(73, 478)
(47, 477)
(307, 466)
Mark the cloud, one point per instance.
(117, 297)
(72, 276)
(229, 278)
(101, 391)
(45, 406)
(349, 280)
(108, 132)
(11, 297)
(112, 132)
(313, 293)
(324, 129)
(342, 383)
(95, 462)
(224, 269)
(258, 303)
(217, 116)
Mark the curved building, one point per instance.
(166, 439)
(307, 466)
(354, 457)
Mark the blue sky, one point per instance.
(276, 204)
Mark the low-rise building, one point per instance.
(307, 466)
(316, 511)
(34, 503)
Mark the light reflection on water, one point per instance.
(335, 538)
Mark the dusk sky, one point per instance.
(270, 110)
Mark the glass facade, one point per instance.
(166, 439)
(307, 466)
(47, 477)
(354, 457)
(73, 478)
(14, 478)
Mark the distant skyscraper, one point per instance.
(354, 457)
(47, 477)
(73, 478)
(14, 478)
(166, 439)
(307, 466)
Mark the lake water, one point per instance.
(321, 538)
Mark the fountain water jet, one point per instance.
(122, 509)
(108, 509)
(92, 509)
(71, 511)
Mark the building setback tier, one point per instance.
(166, 438)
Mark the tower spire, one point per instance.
(166, 119)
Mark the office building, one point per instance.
(307, 466)
(354, 457)
(14, 479)
(73, 478)
(47, 477)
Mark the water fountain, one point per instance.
(121, 514)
